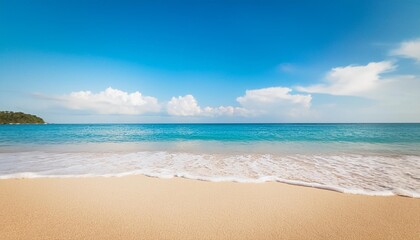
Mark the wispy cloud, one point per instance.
(408, 49)
(286, 67)
(351, 80)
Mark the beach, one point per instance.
(140, 207)
(199, 120)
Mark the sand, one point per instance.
(138, 207)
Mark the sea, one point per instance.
(368, 159)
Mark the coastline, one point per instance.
(140, 207)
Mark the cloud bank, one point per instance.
(275, 101)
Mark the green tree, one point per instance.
(7, 117)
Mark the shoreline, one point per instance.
(349, 173)
(388, 193)
(133, 207)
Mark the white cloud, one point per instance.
(395, 100)
(226, 111)
(352, 80)
(273, 101)
(273, 95)
(408, 49)
(276, 103)
(385, 98)
(183, 106)
(111, 101)
(187, 106)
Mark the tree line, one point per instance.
(7, 117)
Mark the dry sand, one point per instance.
(139, 207)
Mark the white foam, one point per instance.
(349, 173)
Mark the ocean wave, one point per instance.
(348, 173)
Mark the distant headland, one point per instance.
(8, 117)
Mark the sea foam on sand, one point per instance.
(349, 173)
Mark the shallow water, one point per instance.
(373, 159)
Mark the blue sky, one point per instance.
(211, 61)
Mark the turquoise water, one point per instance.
(82, 133)
(374, 159)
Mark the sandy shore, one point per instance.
(139, 207)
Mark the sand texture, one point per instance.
(138, 207)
